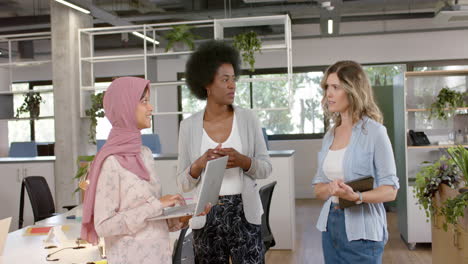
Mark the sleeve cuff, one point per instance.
(253, 167)
(191, 179)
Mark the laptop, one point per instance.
(211, 181)
(4, 227)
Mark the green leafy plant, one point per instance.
(446, 103)
(181, 33)
(30, 105)
(248, 43)
(454, 209)
(83, 165)
(96, 110)
(430, 177)
(459, 156)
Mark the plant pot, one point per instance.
(35, 111)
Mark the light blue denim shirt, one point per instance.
(369, 153)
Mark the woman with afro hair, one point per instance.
(232, 229)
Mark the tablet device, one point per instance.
(362, 185)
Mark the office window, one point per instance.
(302, 116)
(40, 130)
(382, 75)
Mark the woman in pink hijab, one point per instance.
(124, 190)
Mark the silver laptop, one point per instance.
(211, 181)
(4, 227)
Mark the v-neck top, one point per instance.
(232, 182)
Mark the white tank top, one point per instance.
(232, 182)
(333, 167)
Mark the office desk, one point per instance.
(30, 249)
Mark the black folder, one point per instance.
(362, 185)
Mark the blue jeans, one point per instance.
(337, 249)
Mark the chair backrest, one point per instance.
(266, 192)
(183, 251)
(23, 149)
(265, 137)
(149, 140)
(42, 202)
(100, 143)
(152, 142)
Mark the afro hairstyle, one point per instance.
(202, 66)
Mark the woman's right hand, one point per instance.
(200, 163)
(171, 200)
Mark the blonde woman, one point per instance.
(356, 146)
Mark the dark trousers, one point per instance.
(227, 234)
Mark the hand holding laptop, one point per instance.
(200, 164)
(172, 200)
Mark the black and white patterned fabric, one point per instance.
(227, 234)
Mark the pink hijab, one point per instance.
(124, 142)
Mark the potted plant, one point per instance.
(96, 110)
(454, 209)
(446, 103)
(31, 105)
(248, 43)
(429, 179)
(180, 34)
(459, 155)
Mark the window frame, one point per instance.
(181, 75)
(31, 85)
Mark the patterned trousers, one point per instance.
(227, 234)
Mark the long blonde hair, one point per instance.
(354, 81)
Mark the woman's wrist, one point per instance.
(247, 163)
(193, 171)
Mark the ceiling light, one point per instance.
(145, 37)
(73, 6)
(330, 26)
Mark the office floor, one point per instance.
(309, 245)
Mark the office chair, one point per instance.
(149, 140)
(41, 199)
(23, 149)
(152, 142)
(100, 143)
(266, 192)
(183, 251)
(265, 137)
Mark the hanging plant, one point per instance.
(248, 43)
(430, 177)
(446, 103)
(96, 110)
(31, 105)
(181, 34)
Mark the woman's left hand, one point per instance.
(346, 192)
(235, 158)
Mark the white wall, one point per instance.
(305, 163)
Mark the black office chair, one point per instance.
(266, 192)
(183, 252)
(41, 199)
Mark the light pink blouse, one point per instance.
(123, 203)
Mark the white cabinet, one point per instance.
(283, 202)
(420, 226)
(10, 189)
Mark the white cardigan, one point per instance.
(253, 145)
